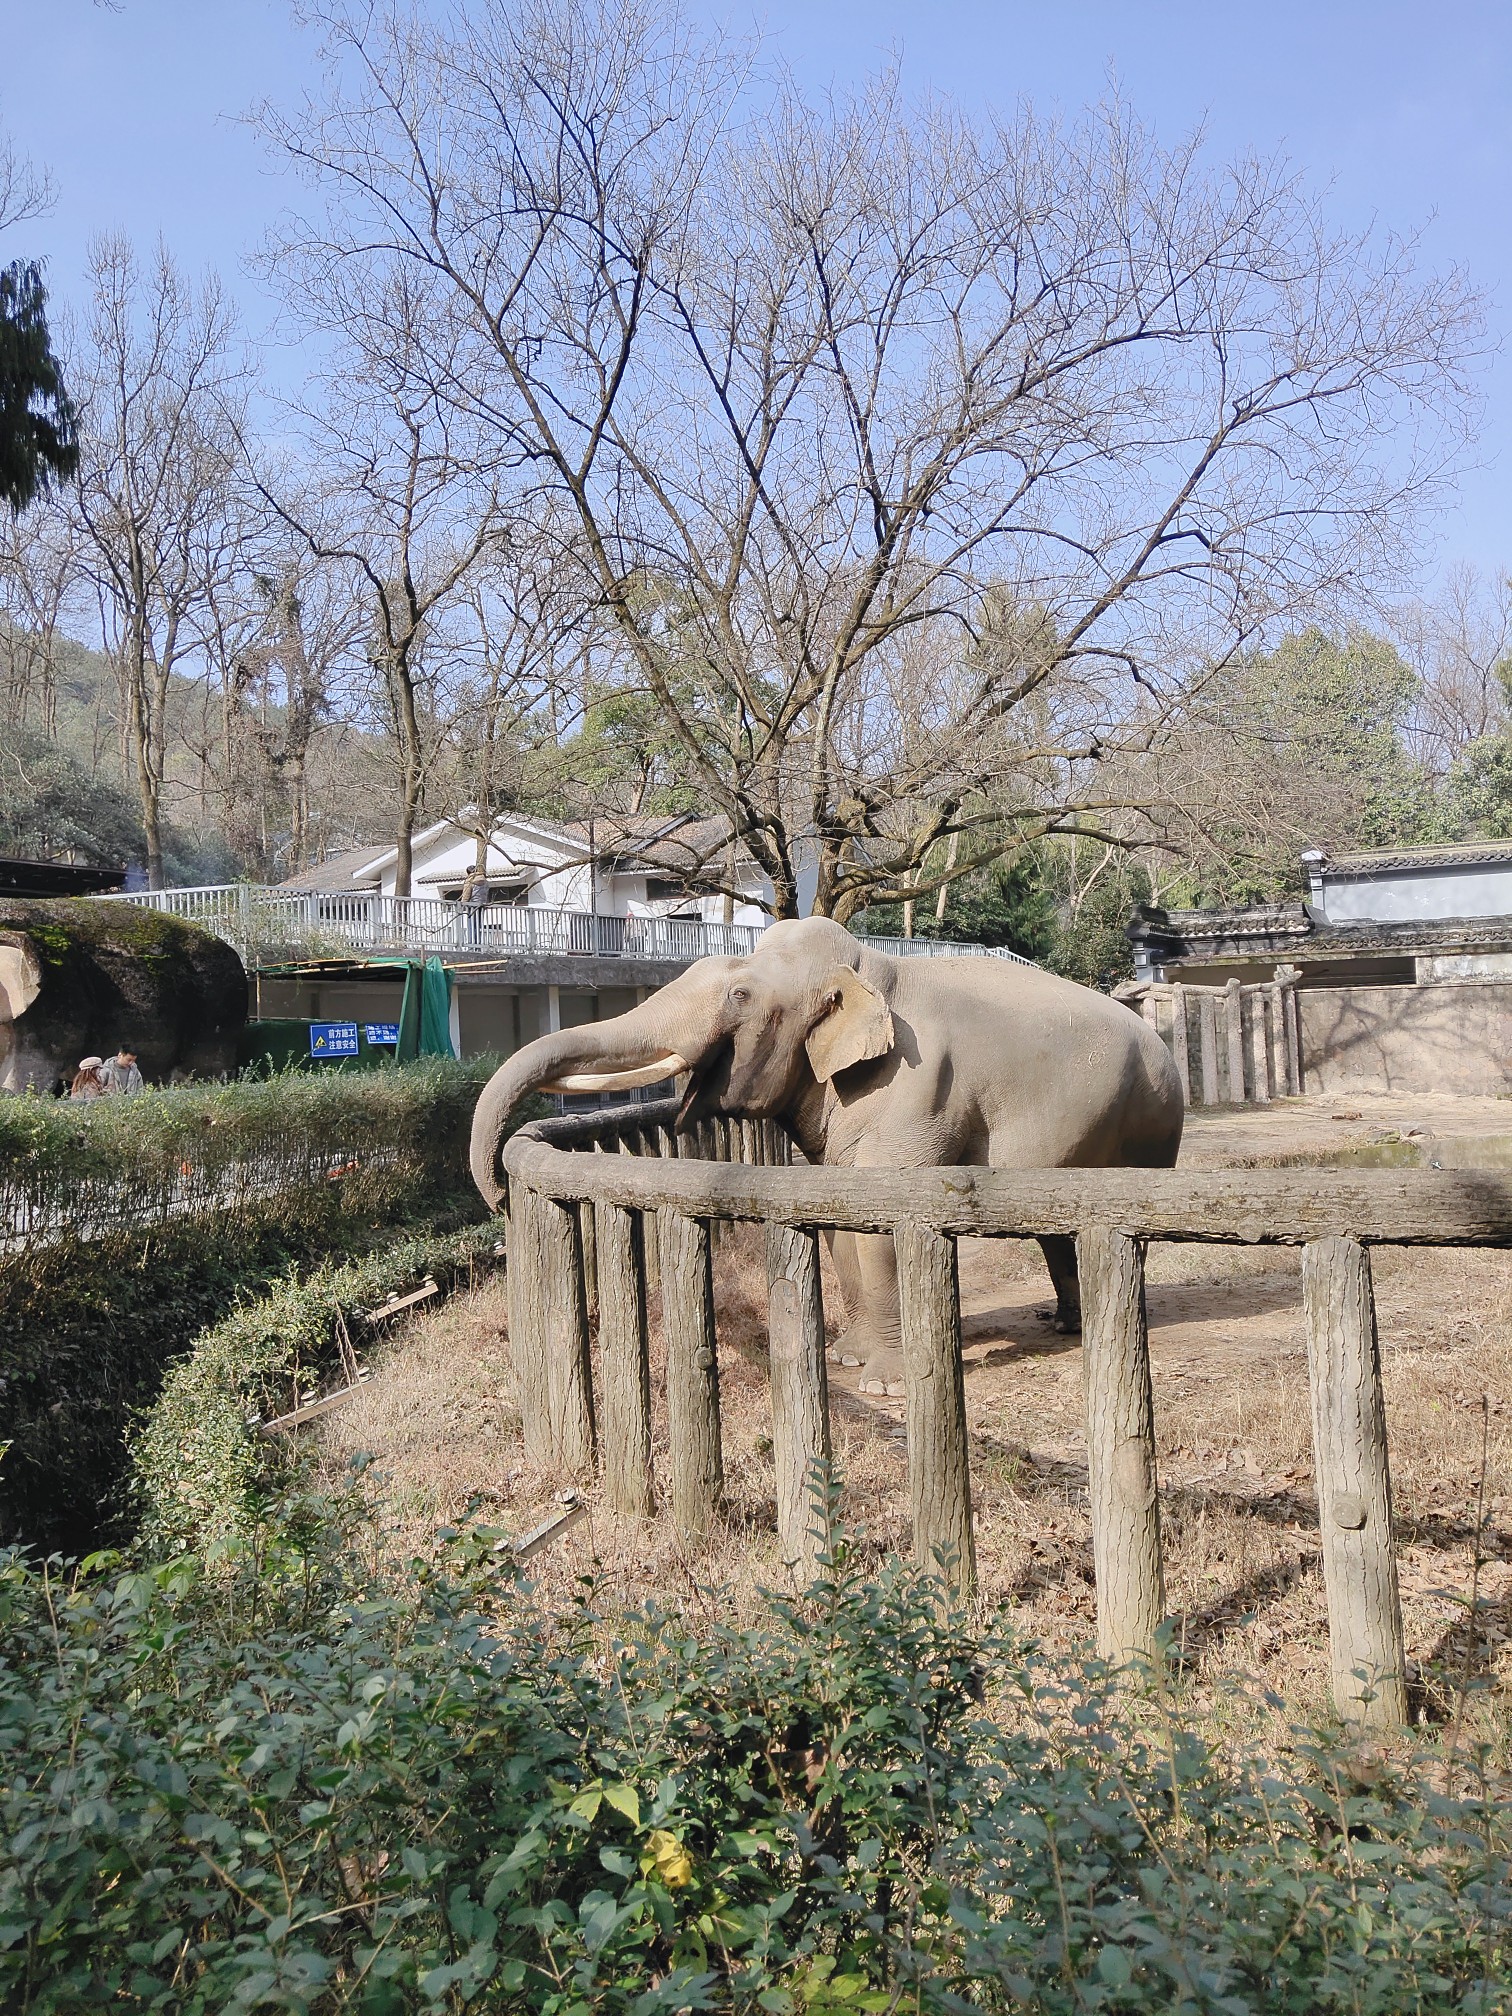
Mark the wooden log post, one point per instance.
(1233, 1016)
(1180, 1045)
(646, 1143)
(1291, 1023)
(694, 1454)
(939, 1461)
(1259, 1049)
(800, 1394)
(624, 1367)
(527, 1343)
(588, 1247)
(1207, 1019)
(1354, 1485)
(1120, 1445)
(1281, 1083)
(564, 1329)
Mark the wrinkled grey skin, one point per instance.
(875, 1062)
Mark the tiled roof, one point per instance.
(1396, 860)
(336, 873)
(1460, 934)
(1260, 920)
(1288, 930)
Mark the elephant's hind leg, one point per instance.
(1060, 1257)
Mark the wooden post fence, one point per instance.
(1246, 1037)
(1334, 1216)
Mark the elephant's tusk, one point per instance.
(668, 1065)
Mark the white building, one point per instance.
(511, 985)
(663, 865)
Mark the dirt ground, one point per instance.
(1231, 1398)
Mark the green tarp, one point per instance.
(425, 1015)
(435, 1011)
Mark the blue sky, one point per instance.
(1402, 111)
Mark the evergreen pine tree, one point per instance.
(37, 435)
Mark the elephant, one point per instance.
(878, 1062)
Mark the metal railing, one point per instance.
(256, 919)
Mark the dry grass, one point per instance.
(1242, 1561)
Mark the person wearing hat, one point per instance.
(89, 1082)
(121, 1073)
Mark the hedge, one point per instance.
(118, 1168)
(201, 1473)
(276, 1792)
(132, 1224)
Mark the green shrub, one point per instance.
(122, 1168)
(262, 1789)
(201, 1473)
(132, 1224)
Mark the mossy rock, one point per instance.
(110, 975)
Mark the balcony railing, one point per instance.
(258, 921)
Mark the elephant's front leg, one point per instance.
(868, 1268)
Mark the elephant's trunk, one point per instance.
(660, 1039)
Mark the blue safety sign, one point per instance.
(333, 1039)
(380, 1033)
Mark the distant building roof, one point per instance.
(1290, 932)
(335, 873)
(1396, 860)
(56, 878)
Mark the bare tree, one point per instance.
(826, 385)
(1460, 645)
(161, 386)
(529, 632)
(38, 580)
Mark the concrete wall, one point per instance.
(1408, 1039)
(1406, 895)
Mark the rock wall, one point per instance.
(1446, 1038)
(81, 977)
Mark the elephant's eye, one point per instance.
(740, 996)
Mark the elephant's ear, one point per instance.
(857, 1025)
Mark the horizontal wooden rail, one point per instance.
(1250, 1207)
(623, 1187)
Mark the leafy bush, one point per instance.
(123, 1167)
(200, 1470)
(264, 1789)
(132, 1224)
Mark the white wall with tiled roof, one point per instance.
(1410, 886)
